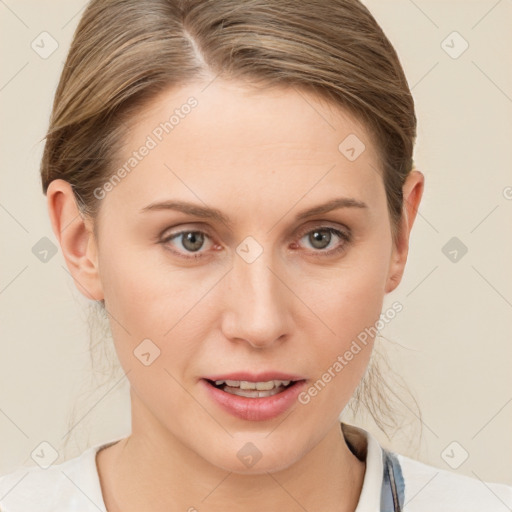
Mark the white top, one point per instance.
(74, 485)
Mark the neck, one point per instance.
(158, 470)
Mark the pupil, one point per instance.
(192, 236)
(321, 238)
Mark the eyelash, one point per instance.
(321, 253)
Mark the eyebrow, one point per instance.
(213, 213)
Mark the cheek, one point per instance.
(157, 304)
(152, 300)
(146, 293)
(350, 298)
(349, 305)
(340, 358)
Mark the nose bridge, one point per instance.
(256, 304)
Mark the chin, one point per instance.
(254, 457)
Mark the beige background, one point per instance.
(452, 343)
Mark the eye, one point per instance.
(321, 237)
(191, 241)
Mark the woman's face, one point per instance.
(253, 289)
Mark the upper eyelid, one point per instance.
(311, 225)
(323, 225)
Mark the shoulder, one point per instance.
(426, 486)
(70, 486)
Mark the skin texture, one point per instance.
(259, 157)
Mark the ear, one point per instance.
(76, 239)
(412, 192)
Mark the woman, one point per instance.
(234, 183)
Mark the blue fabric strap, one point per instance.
(393, 487)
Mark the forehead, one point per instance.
(250, 116)
(227, 138)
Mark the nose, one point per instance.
(256, 303)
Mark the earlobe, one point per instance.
(412, 192)
(76, 239)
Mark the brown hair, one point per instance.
(125, 52)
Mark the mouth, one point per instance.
(254, 397)
(250, 389)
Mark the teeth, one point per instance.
(252, 393)
(260, 386)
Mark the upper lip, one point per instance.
(254, 377)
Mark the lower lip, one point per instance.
(255, 409)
